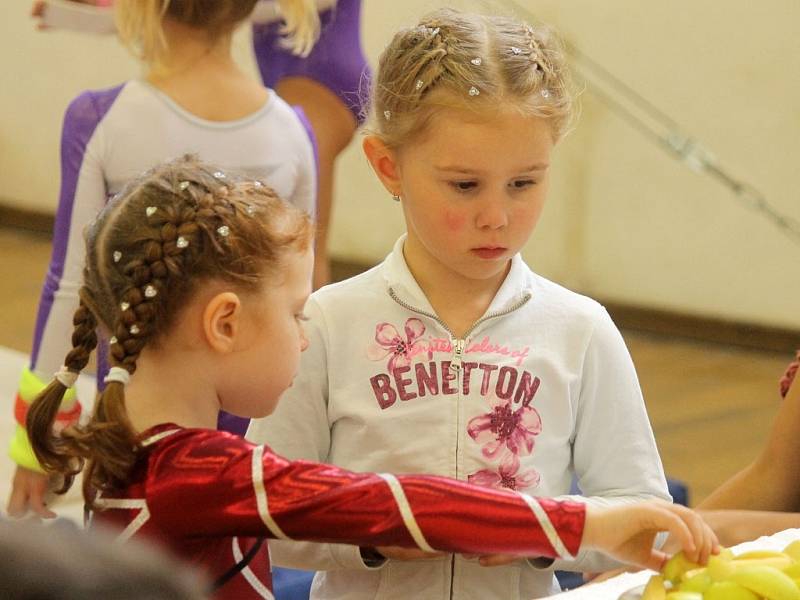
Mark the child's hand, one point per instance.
(398, 553)
(493, 560)
(627, 532)
(27, 494)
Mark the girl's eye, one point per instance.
(520, 184)
(464, 186)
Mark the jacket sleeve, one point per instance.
(235, 488)
(615, 455)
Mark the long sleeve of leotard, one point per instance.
(235, 487)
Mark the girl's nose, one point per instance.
(492, 214)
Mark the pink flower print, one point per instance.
(506, 429)
(507, 476)
(390, 343)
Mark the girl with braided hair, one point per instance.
(201, 278)
(192, 98)
(452, 357)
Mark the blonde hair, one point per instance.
(453, 59)
(169, 231)
(139, 22)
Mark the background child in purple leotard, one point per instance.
(192, 99)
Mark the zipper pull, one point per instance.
(458, 355)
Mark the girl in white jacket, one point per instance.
(452, 357)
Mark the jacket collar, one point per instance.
(517, 286)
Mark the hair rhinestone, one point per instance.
(134, 329)
(435, 31)
(387, 114)
(224, 230)
(250, 210)
(515, 51)
(113, 340)
(124, 306)
(545, 93)
(419, 84)
(150, 292)
(183, 185)
(117, 256)
(476, 61)
(473, 91)
(151, 210)
(219, 175)
(257, 183)
(181, 242)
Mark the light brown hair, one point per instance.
(139, 22)
(169, 231)
(471, 61)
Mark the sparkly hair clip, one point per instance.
(183, 185)
(387, 114)
(150, 291)
(516, 51)
(224, 231)
(419, 84)
(117, 256)
(219, 175)
(545, 93)
(181, 242)
(476, 61)
(150, 210)
(473, 91)
(250, 210)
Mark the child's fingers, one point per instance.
(656, 560)
(667, 519)
(496, 560)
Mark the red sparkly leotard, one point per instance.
(209, 496)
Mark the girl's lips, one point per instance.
(489, 253)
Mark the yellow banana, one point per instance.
(793, 550)
(684, 596)
(697, 580)
(655, 590)
(677, 566)
(768, 582)
(728, 590)
(761, 554)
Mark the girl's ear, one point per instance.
(384, 163)
(222, 321)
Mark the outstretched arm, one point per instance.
(772, 481)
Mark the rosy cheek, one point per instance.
(453, 221)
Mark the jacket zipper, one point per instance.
(459, 344)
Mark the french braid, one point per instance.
(166, 233)
(472, 62)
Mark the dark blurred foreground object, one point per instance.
(61, 561)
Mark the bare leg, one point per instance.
(334, 126)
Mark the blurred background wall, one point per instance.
(625, 222)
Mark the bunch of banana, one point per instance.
(758, 575)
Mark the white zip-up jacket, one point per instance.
(541, 389)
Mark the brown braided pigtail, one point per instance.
(55, 453)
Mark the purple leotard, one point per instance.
(337, 60)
